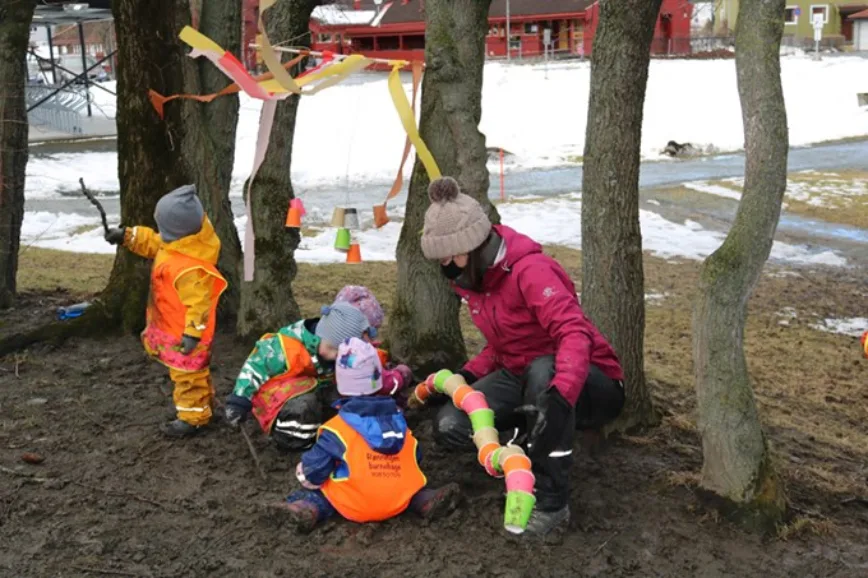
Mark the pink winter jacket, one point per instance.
(528, 308)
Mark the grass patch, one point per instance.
(49, 270)
(802, 526)
(832, 196)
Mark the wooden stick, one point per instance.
(104, 571)
(96, 204)
(25, 475)
(253, 452)
(603, 545)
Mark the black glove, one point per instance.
(115, 236)
(552, 413)
(468, 377)
(188, 344)
(237, 409)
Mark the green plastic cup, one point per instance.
(342, 241)
(519, 506)
(482, 418)
(440, 378)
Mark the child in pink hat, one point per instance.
(365, 462)
(396, 378)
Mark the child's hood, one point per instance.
(204, 245)
(378, 420)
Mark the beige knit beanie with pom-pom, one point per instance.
(455, 223)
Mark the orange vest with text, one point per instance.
(379, 486)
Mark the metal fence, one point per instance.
(62, 111)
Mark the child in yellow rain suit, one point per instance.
(185, 289)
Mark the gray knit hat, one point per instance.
(339, 322)
(455, 223)
(179, 214)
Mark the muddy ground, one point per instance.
(114, 498)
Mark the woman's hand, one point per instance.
(552, 414)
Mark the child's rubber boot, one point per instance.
(542, 523)
(179, 429)
(303, 515)
(431, 504)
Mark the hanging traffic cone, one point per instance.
(338, 217)
(351, 219)
(297, 204)
(380, 216)
(342, 241)
(293, 218)
(354, 255)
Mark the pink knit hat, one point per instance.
(362, 299)
(358, 370)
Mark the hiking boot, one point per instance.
(541, 523)
(303, 515)
(432, 504)
(180, 429)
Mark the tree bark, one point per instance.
(15, 21)
(156, 156)
(423, 326)
(210, 144)
(736, 460)
(613, 287)
(267, 302)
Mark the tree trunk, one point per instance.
(155, 156)
(14, 36)
(613, 286)
(737, 465)
(267, 302)
(210, 144)
(423, 326)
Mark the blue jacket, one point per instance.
(377, 419)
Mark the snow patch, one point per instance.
(852, 326)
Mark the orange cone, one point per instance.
(354, 255)
(380, 216)
(293, 218)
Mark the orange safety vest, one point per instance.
(299, 378)
(378, 486)
(166, 314)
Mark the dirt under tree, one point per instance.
(112, 495)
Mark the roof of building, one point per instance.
(404, 11)
(342, 15)
(859, 15)
(56, 12)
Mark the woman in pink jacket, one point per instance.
(545, 366)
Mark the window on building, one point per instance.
(388, 43)
(531, 28)
(325, 37)
(363, 43)
(791, 15)
(494, 30)
(821, 10)
(414, 42)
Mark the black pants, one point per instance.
(296, 425)
(600, 402)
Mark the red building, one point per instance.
(396, 28)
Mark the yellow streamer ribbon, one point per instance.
(333, 73)
(408, 119)
(199, 41)
(269, 56)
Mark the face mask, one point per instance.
(451, 271)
